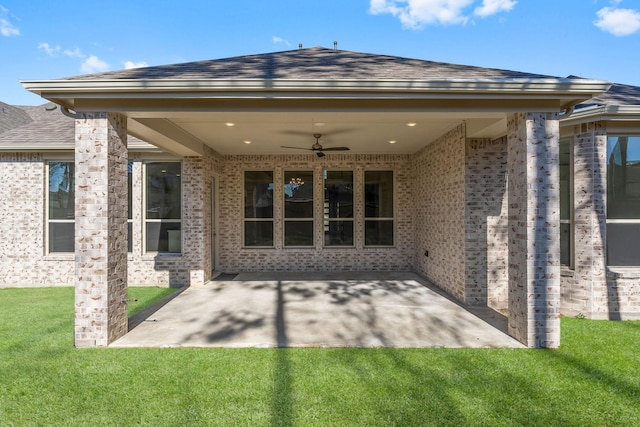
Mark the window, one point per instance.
(258, 208)
(61, 207)
(338, 208)
(130, 207)
(378, 208)
(566, 229)
(163, 211)
(623, 201)
(298, 208)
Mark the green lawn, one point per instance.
(592, 380)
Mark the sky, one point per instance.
(41, 40)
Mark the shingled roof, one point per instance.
(42, 127)
(619, 94)
(12, 117)
(313, 63)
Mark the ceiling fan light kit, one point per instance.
(317, 147)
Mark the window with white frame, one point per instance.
(258, 209)
(566, 201)
(61, 207)
(378, 208)
(623, 201)
(338, 208)
(298, 208)
(163, 207)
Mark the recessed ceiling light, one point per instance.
(247, 141)
(393, 141)
(230, 124)
(319, 124)
(411, 124)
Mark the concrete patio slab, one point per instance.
(317, 310)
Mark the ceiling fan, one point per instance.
(318, 148)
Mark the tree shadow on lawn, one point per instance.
(467, 387)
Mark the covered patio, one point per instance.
(384, 309)
(434, 143)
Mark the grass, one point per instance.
(592, 380)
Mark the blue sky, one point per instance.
(52, 39)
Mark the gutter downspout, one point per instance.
(73, 115)
(567, 112)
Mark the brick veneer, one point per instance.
(486, 234)
(100, 229)
(534, 228)
(439, 189)
(234, 258)
(22, 224)
(589, 288)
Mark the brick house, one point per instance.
(492, 184)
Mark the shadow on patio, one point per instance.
(395, 309)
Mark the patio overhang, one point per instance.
(184, 115)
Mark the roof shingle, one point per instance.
(312, 63)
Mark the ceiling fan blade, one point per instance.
(297, 148)
(335, 149)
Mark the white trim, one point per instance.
(110, 88)
(602, 113)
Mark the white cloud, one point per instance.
(93, 64)
(49, 50)
(491, 7)
(418, 13)
(57, 50)
(75, 53)
(130, 64)
(7, 29)
(90, 63)
(619, 22)
(276, 40)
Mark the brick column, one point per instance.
(590, 220)
(534, 228)
(196, 220)
(100, 229)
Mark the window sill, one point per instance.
(163, 255)
(566, 271)
(623, 272)
(60, 257)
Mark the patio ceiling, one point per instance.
(265, 133)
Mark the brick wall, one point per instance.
(589, 288)
(234, 258)
(487, 277)
(439, 186)
(22, 225)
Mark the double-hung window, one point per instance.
(623, 201)
(298, 208)
(61, 207)
(378, 208)
(163, 209)
(338, 208)
(258, 208)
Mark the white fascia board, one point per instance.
(603, 113)
(36, 147)
(253, 88)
